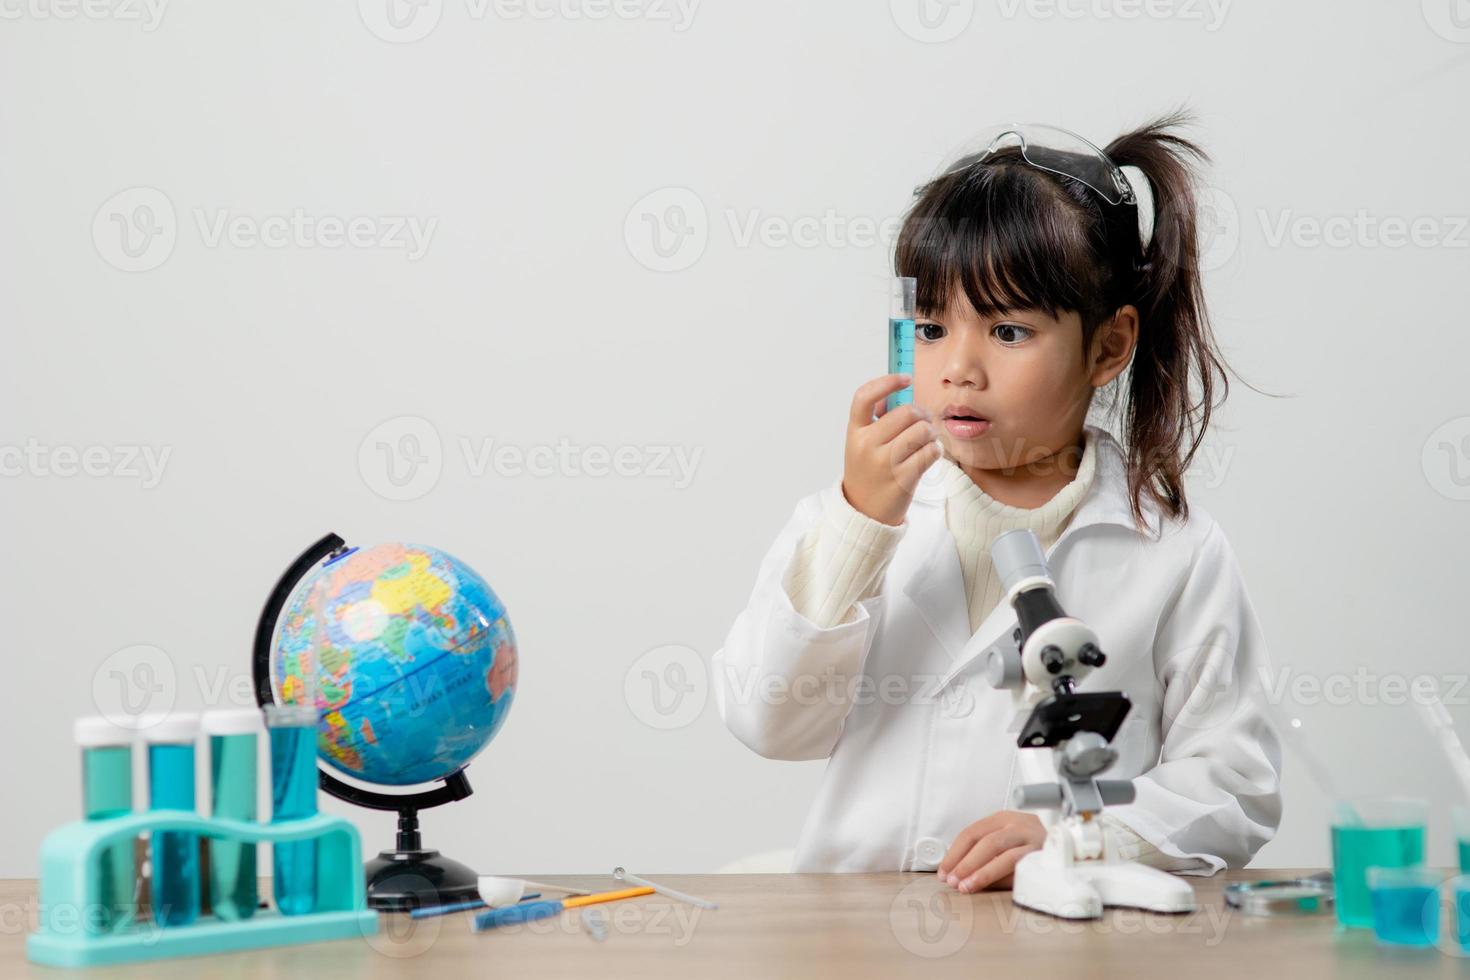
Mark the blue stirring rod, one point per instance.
(520, 912)
(433, 910)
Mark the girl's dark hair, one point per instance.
(1012, 236)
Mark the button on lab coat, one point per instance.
(919, 745)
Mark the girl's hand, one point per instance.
(888, 454)
(985, 853)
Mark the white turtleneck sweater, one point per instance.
(841, 561)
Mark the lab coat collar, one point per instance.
(937, 588)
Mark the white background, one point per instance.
(532, 138)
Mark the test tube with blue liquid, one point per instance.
(903, 299)
(175, 853)
(234, 737)
(292, 729)
(107, 791)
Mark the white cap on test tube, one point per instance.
(161, 729)
(99, 732)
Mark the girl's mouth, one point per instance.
(966, 428)
(963, 423)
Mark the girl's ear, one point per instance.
(1112, 346)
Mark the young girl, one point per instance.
(1045, 272)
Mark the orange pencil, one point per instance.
(571, 903)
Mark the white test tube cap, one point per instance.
(231, 721)
(98, 732)
(160, 729)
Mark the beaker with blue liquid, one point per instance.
(1405, 903)
(1366, 833)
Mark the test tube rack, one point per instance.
(71, 858)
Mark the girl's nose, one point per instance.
(963, 366)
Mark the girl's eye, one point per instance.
(928, 332)
(1014, 333)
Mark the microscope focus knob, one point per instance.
(1091, 655)
(1003, 668)
(1053, 659)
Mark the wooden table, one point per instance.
(806, 925)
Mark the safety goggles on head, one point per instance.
(1054, 149)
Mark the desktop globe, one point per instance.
(413, 662)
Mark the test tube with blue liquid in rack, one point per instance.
(292, 730)
(107, 791)
(87, 865)
(902, 303)
(175, 854)
(234, 737)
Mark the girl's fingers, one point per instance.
(909, 441)
(861, 411)
(986, 850)
(967, 839)
(896, 422)
(910, 471)
(1001, 867)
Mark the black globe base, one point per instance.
(412, 877)
(400, 881)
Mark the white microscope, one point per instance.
(1074, 875)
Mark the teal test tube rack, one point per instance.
(73, 886)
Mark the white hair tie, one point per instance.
(1145, 197)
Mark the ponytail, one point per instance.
(1163, 423)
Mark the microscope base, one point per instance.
(1047, 883)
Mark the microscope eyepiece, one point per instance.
(1053, 659)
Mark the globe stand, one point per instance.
(411, 877)
(407, 877)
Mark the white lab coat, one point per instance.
(919, 745)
